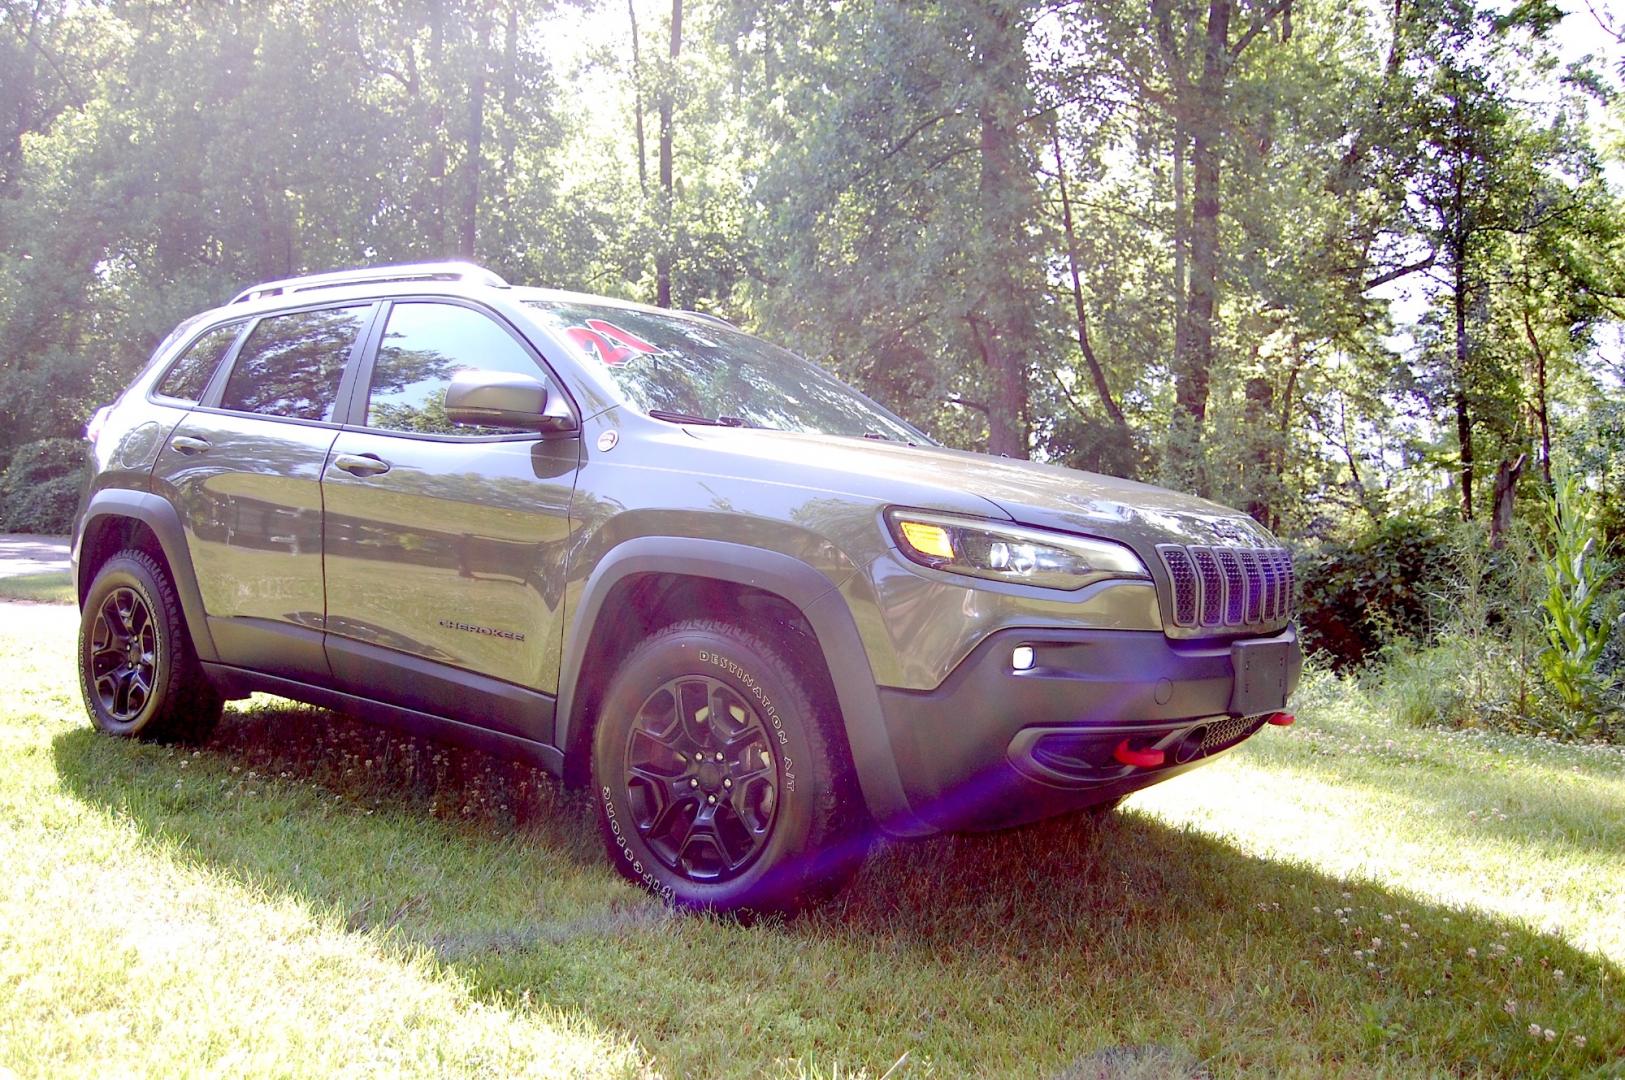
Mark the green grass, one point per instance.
(310, 896)
(51, 588)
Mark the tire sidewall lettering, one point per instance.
(770, 711)
(635, 864)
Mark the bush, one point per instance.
(39, 490)
(1357, 597)
(1460, 681)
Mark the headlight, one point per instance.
(1013, 553)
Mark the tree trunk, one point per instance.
(435, 227)
(1006, 200)
(1542, 416)
(1505, 498)
(1464, 419)
(1191, 387)
(1262, 482)
(637, 98)
(1096, 373)
(1181, 235)
(510, 122)
(664, 250)
(1193, 350)
(472, 146)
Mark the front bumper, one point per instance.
(992, 747)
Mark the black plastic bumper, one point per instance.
(993, 746)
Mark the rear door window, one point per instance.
(291, 365)
(188, 376)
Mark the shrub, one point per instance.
(40, 487)
(1358, 596)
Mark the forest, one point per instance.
(1357, 268)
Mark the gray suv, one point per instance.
(762, 617)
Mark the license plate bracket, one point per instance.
(1261, 676)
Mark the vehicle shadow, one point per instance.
(1062, 949)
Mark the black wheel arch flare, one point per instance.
(805, 588)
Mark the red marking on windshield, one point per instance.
(610, 343)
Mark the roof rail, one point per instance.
(428, 271)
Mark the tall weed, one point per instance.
(1576, 573)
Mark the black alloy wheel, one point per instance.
(124, 654)
(137, 671)
(702, 781)
(722, 776)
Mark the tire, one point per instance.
(752, 813)
(137, 671)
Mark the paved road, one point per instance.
(22, 554)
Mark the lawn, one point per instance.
(55, 587)
(311, 896)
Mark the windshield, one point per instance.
(693, 370)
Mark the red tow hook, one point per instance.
(1140, 759)
(1282, 719)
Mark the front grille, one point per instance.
(1223, 587)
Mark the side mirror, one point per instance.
(507, 400)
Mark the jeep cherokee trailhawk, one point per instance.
(759, 615)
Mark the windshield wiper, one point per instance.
(689, 418)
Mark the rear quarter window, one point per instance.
(187, 376)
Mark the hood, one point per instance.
(1046, 496)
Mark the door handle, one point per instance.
(361, 464)
(185, 444)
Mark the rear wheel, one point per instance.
(137, 671)
(718, 784)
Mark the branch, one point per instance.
(1282, 7)
(1163, 16)
(1400, 271)
(899, 146)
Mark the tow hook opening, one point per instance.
(1148, 758)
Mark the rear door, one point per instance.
(244, 469)
(445, 545)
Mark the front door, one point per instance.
(445, 545)
(244, 469)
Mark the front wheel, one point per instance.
(137, 671)
(718, 785)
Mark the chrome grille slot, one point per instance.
(1224, 587)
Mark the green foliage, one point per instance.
(1381, 586)
(1576, 573)
(40, 487)
(880, 187)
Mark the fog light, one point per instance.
(1021, 657)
